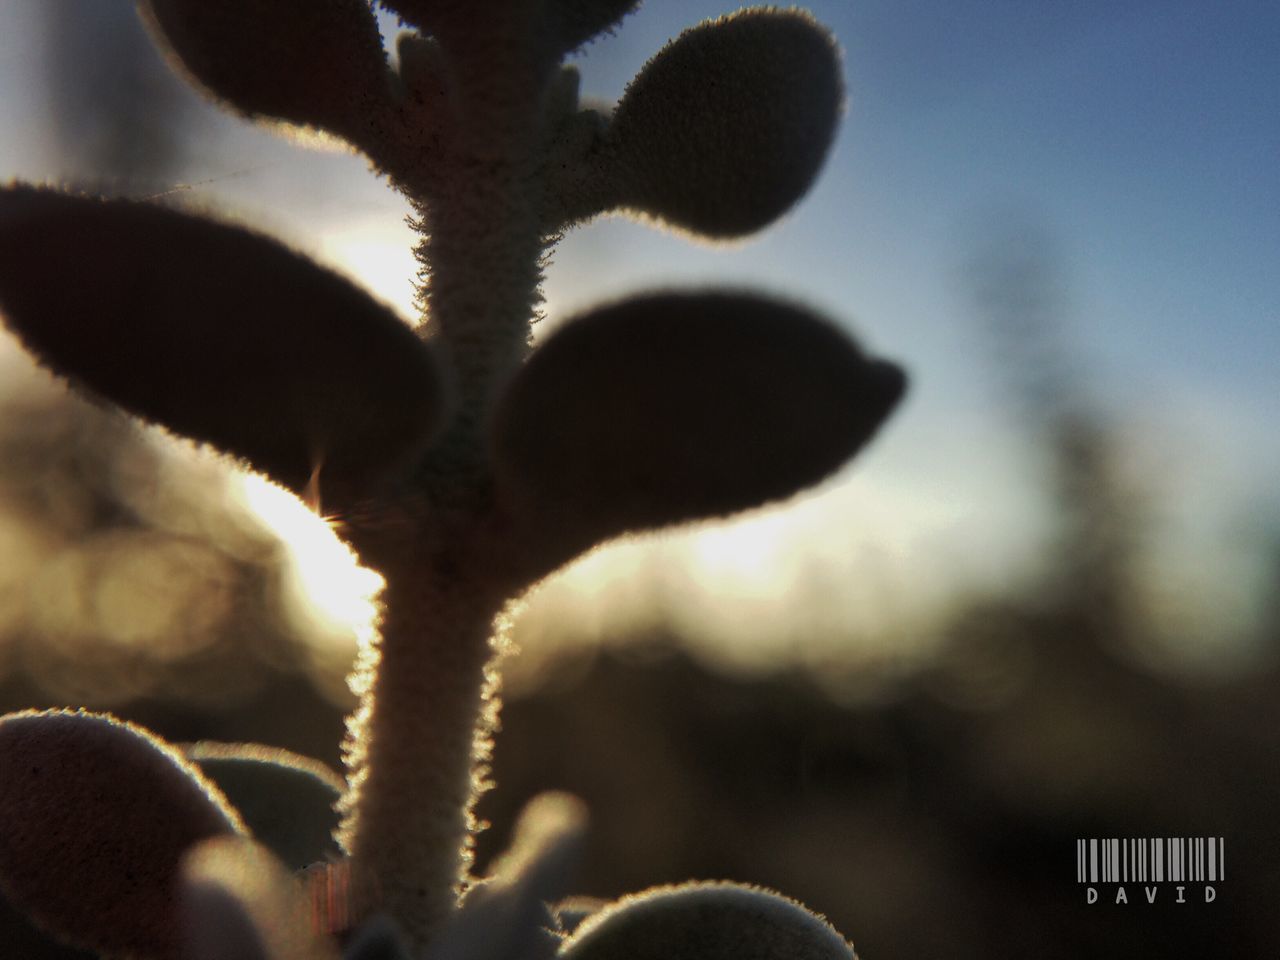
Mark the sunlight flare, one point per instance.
(381, 256)
(327, 590)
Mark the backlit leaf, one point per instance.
(318, 64)
(726, 128)
(286, 801)
(95, 816)
(677, 407)
(219, 334)
(706, 921)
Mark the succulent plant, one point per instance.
(458, 460)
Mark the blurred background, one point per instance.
(1042, 606)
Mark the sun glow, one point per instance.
(326, 589)
(379, 255)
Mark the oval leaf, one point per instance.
(725, 129)
(287, 801)
(95, 816)
(220, 335)
(318, 64)
(678, 407)
(706, 921)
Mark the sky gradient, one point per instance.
(1141, 141)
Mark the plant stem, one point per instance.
(418, 745)
(412, 747)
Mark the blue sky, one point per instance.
(1142, 138)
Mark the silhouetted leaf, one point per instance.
(95, 815)
(219, 334)
(706, 921)
(676, 407)
(286, 801)
(240, 903)
(319, 64)
(728, 125)
(577, 21)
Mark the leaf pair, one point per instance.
(322, 65)
(720, 133)
(650, 412)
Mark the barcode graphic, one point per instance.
(1150, 860)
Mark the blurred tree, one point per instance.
(1020, 293)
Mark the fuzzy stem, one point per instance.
(480, 297)
(418, 746)
(482, 244)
